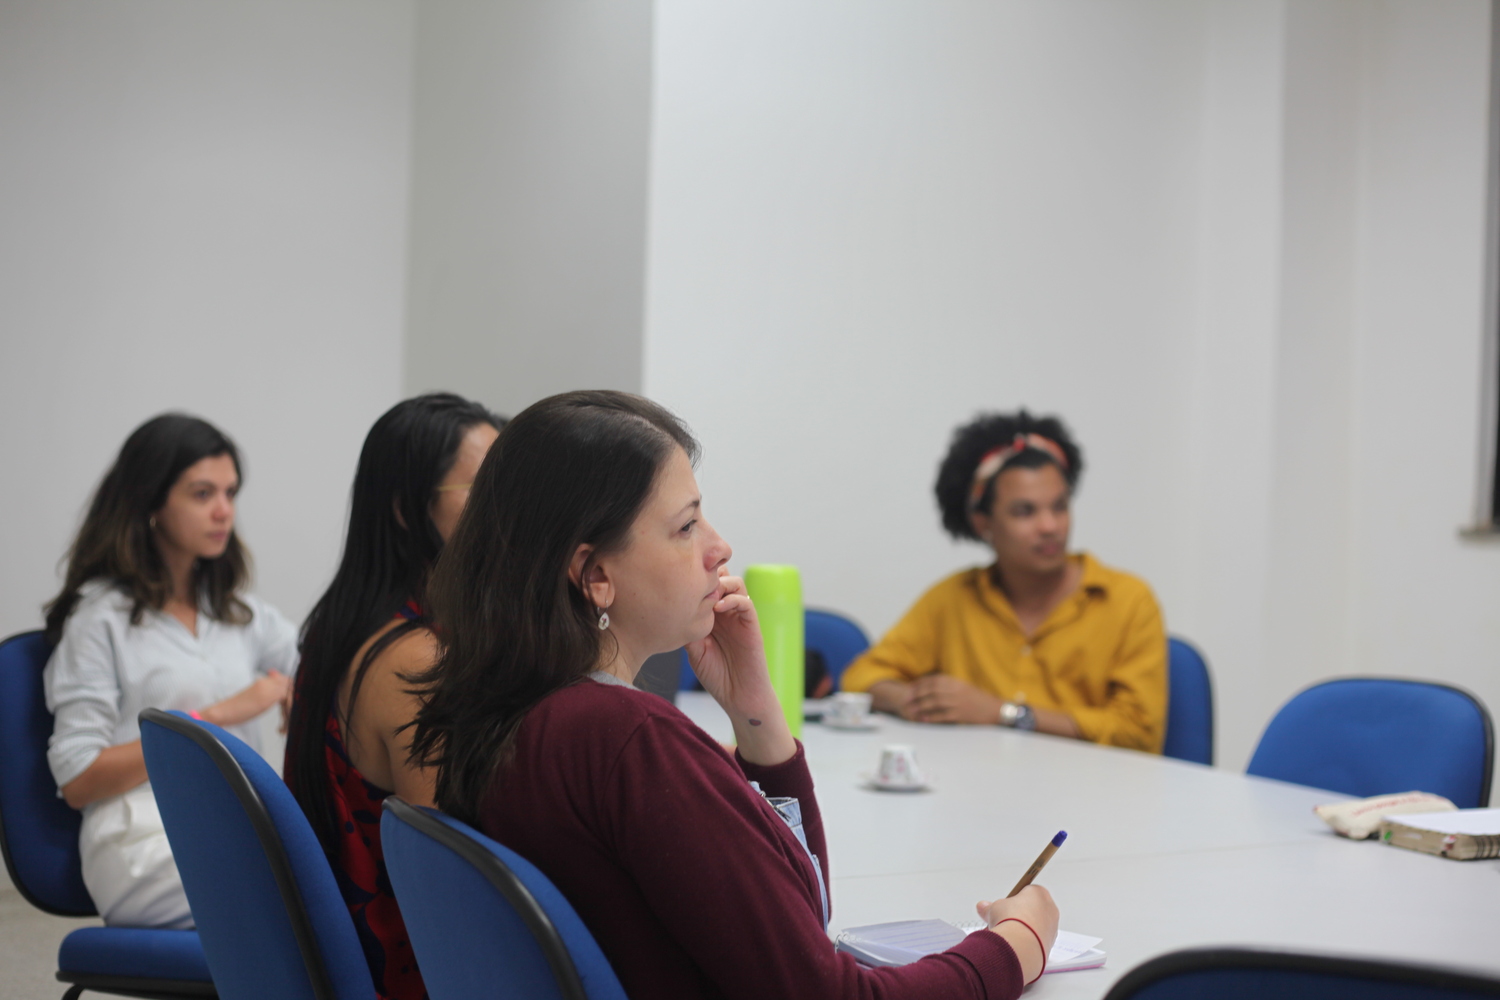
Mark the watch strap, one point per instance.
(1017, 715)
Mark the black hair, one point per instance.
(574, 469)
(389, 550)
(972, 441)
(115, 542)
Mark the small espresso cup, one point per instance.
(898, 766)
(848, 708)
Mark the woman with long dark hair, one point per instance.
(584, 550)
(152, 615)
(347, 738)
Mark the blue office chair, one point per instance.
(1368, 736)
(686, 679)
(838, 638)
(268, 909)
(1190, 705)
(483, 920)
(39, 838)
(1248, 974)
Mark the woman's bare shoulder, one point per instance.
(389, 684)
(416, 649)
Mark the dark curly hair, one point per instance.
(979, 436)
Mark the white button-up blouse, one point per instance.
(105, 670)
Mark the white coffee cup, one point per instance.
(898, 766)
(848, 708)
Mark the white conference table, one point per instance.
(1161, 854)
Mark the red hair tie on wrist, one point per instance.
(1033, 934)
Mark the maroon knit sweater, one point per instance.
(689, 881)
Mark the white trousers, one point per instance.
(127, 863)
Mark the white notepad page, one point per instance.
(1066, 951)
(903, 941)
(1475, 822)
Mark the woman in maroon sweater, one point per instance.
(582, 551)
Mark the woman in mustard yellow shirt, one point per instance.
(1040, 639)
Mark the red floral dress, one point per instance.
(361, 873)
(362, 877)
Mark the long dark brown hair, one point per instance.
(116, 544)
(574, 469)
(389, 549)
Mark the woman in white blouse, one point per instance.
(151, 616)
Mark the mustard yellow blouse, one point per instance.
(1101, 656)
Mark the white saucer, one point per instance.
(863, 726)
(874, 784)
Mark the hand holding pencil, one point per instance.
(1040, 862)
(1027, 918)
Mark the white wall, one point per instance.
(529, 197)
(1373, 411)
(1422, 601)
(867, 229)
(204, 208)
(1217, 583)
(1238, 245)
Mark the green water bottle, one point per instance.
(777, 593)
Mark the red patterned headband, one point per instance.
(995, 459)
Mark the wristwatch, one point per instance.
(1017, 715)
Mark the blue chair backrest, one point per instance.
(38, 830)
(838, 638)
(1368, 736)
(1248, 974)
(268, 910)
(483, 920)
(1190, 705)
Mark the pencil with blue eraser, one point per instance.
(1039, 863)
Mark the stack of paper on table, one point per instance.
(904, 941)
(1463, 835)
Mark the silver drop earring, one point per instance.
(152, 521)
(603, 620)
